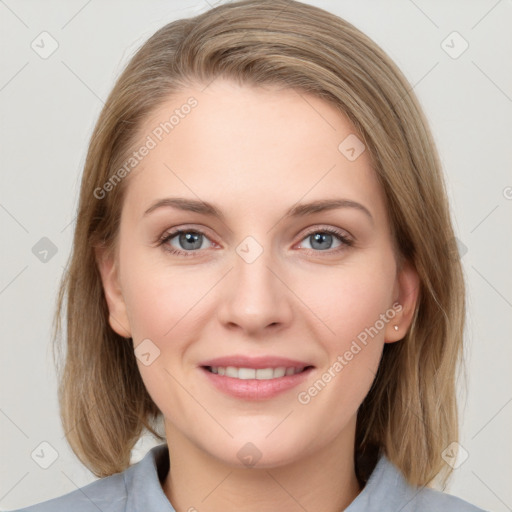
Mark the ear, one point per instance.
(108, 268)
(406, 294)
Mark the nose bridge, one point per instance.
(256, 297)
(252, 262)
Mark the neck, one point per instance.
(323, 481)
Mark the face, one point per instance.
(265, 282)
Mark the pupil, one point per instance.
(191, 239)
(318, 238)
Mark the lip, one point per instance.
(255, 389)
(254, 362)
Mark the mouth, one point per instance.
(255, 377)
(244, 373)
(256, 380)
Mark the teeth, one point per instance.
(244, 373)
(253, 373)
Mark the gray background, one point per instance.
(48, 109)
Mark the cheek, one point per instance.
(352, 354)
(163, 306)
(349, 299)
(353, 305)
(160, 299)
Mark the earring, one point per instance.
(396, 327)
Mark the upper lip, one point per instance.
(240, 361)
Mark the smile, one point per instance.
(255, 383)
(255, 373)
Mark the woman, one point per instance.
(264, 261)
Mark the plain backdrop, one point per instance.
(456, 55)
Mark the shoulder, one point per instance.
(388, 491)
(137, 488)
(107, 493)
(432, 500)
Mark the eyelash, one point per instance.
(332, 231)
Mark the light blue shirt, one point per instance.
(139, 489)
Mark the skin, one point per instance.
(254, 153)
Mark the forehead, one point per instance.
(241, 145)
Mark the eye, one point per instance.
(322, 240)
(187, 240)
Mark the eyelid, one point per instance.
(319, 228)
(196, 228)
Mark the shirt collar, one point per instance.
(385, 491)
(143, 485)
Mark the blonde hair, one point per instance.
(410, 413)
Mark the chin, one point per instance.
(257, 451)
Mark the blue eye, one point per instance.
(320, 239)
(190, 241)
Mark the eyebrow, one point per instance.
(298, 210)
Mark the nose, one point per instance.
(255, 296)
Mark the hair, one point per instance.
(410, 412)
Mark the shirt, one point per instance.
(138, 489)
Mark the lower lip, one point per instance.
(254, 389)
